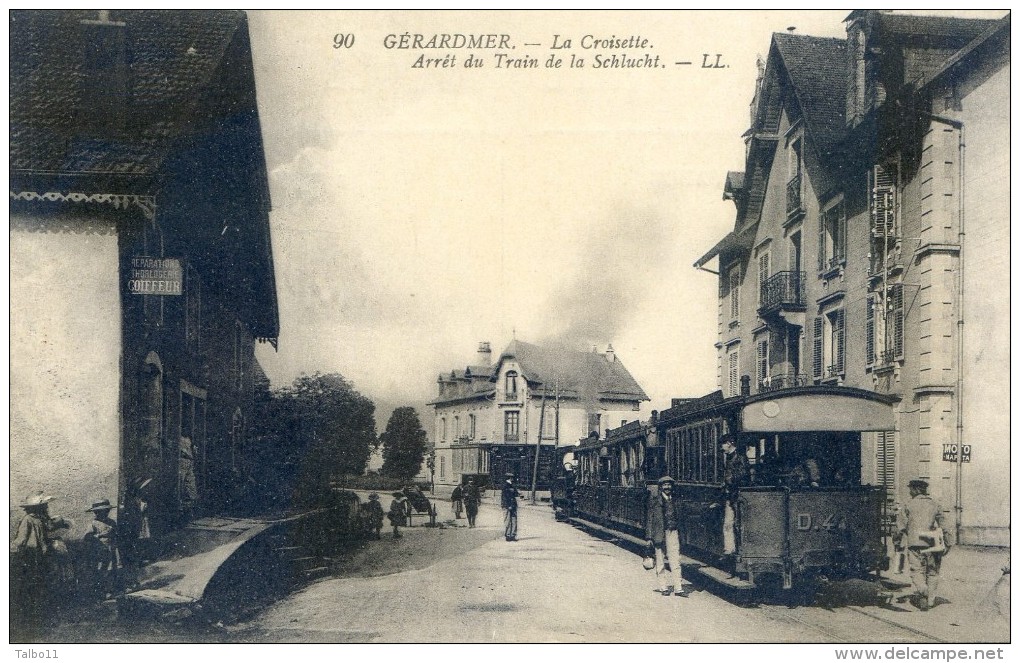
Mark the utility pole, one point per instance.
(538, 446)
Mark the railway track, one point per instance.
(832, 622)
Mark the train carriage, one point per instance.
(800, 508)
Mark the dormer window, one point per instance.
(510, 385)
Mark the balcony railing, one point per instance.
(782, 289)
(783, 381)
(793, 201)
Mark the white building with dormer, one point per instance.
(491, 417)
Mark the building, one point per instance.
(490, 417)
(141, 264)
(845, 267)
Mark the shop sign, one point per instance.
(155, 276)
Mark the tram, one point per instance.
(800, 511)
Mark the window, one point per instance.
(884, 326)
(594, 423)
(734, 373)
(829, 345)
(511, 426)
(471, 426)
(735, 292)
(832, 238)
(442, 429)
(549, 423)
(456, 428)
(442, 467)
(511, 385)
(761, 364)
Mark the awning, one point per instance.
(836, 409)
(731, 242)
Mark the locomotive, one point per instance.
(791, 523)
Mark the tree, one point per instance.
(313, 432)
(404, 444)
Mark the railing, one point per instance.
(793, 202)
(782, 381)
(782, 289)
(511, 437)
(887, 356)
(833, 371)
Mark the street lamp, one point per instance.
(431, 464)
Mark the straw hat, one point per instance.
(36, 499)
(101, 505)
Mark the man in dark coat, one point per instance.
(735, 475)
(508, 501)
(457, 500)
(662, 526)
(34, 552)
(472, 498)
(398, 513)
(373, 513)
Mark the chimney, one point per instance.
(103, 103)
(610, 354)
(484, 353)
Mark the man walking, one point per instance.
(471, 501)
(457, 500)
(662, 532)
(921, 531)
(509, 504)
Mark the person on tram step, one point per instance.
(735, 475)
(662, 524)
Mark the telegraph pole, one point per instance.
(538, 446)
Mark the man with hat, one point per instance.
(33, 549)
(398, 513)
(471, 500)
(735, 474)
(374, 515)
(921, 531)
(508, 500)
(100, 541)
(662, 529)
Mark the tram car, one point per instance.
(800, 510)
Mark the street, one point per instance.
(556, 584)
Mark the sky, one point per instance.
(417, 212)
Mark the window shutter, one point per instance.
(869, 343)
(763, 275)
(896, 296)
(840, 341)
(735, 293)
(762, 362)
(822, 262)
(839, 218)
(734, 370)
(883, 202)
(816, 360)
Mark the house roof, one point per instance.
(152, 102)
(170, 55)
(574, 374)
(817, 71)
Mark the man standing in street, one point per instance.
(471, 500)
(457, 500)
(509, 504)
(662, 531)
(921, 532)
